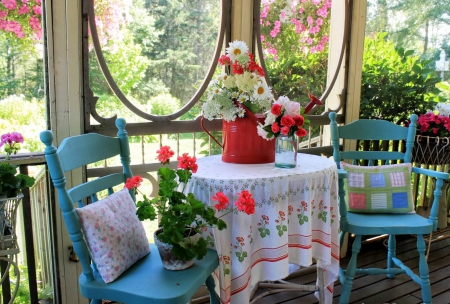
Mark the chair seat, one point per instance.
(148, 282)
(375, 224)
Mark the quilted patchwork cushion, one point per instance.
(115, 236)
(378, 189)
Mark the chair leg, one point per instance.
(391, 254)
(350, 272)
(210, 285)
(423, 271)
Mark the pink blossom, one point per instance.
(37, 10)
(35, 23)
(23, 10)
(310, 20)
(319, 21)
(316, 2)
(10, 4)
(3, 14)
(309, 41)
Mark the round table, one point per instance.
(296, 219)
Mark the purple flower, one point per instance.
(11, 138)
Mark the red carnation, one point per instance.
(299, 120)
(276, 109)
(224, 60)
(285, 130)
(275, 127)
(301, 132)
(287, 120)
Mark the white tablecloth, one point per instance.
(296, 219)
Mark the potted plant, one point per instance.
(12, 182)
(182, 218)
(432, 144)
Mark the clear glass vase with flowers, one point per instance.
(286, 122)
(181, 216)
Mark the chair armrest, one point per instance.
(431, 173)
(342, 174)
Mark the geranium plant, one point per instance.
(12, 182)
(181, 215)
(435, 123)
(242, 83)
(286, 118)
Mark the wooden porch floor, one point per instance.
(378, 288)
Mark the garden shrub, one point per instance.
(395, 82)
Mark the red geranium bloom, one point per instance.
(133, 182)
(222, 199)
(276, 109)
(164, 154)
(224, 60)
(246, 202)
(237, 68)
(187, 163)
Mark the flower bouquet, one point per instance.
(285, 122)
(181, 216)
(240, 89)
(240, 96)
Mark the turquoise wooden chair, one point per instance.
(392, 224)
(144, 282)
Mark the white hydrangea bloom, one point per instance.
(282, 100)
(246, 81)
(443, 109)
(229, 81)
(292, 108)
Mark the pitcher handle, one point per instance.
(207, 132)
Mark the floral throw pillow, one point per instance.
(378, 189)
(113, 233)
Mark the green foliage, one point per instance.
(26, 116)
(395, 83)
(164, 104)
(180, 215)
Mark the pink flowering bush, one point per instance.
(302, 23)
(182, 216)
(21, 18)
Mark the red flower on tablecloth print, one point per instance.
(225, 261)
(241, 254)
(290, 209)
(281, 218)
(333, 216)
(322, 213)
(302, 218)
(263, 230)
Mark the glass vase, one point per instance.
(285, 152)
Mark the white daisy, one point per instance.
(243, 98)
(236, 48)
(240, 112)
(262, 91)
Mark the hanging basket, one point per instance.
(431, 150)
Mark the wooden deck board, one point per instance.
(378, 288)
